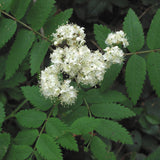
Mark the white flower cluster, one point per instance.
(76, 61)
(113, 54)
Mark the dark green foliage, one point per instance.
(4, 144)
(110, 76)
(7, 29)
(101, 33)
(38, 53)
(19, 50)
(19, 152)
(153, 68)
(19, 8)
(47, 147)
(2, 114)
(154, 32)
(30, 118)
(135, 76)
(26, 137)
(133, 28)
(111, 110)
(99, 150)
(39, 13)
(155, 155)
(54, 21)
(5, 4)
(36, 98)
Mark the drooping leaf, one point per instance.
(39, 13)
(101, 32)
(38, 53)
(113, 131)
(19, 50)
(2, 114)
(68, 141)
(133, 28)
(5, 4)
(47, 147)
(135, 76)
(154, 32)
(84, 125)
(19, 152)
(7, 29)
(4, 144)
(153, 68)
(36, 98)
(111, 110)
(26, 137)
(98, 149)
(54, 21)
(55, 127)
(30, 118)
(95, 96)
(110, 76)
(19, 8)
(154, 155)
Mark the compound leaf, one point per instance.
(19, 50)
(101, 32)
(113, 131)
(38, 53)
(39, 13)
(47, 147)
(111, 110)
(135, 76)
(36, 98)
(30, 118)
(153, 68)
(7, 29)
(154, 32)
(133, 28)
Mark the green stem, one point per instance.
(25, 25)
(16, 110)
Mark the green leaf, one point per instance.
(26, 137)
(19, 152)
(2, 65)
(19, 8)
(154, 32)
(110, 76)
(39, 13)
(47, 147)
(83, 125)
(68, 141)
(4, 144)
(38, 53)
(135, 76)
(30, 118)
(2, 114)
(55, 127)
(54, 21)
(154, 155)
(98, 149)
(101, 32)
(7, 30)
(95, 96)
(133, 28)
(19, 50)
(111, 110)
(153, 68)
(13, 81)
(36, 98)
(113, 131)
(5, 4)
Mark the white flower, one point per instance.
(72, 34)
(50, 86)
(113, 55)
(117, 38)
(68, 93)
